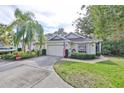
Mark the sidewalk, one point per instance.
(93, 61)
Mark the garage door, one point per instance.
(55, 50)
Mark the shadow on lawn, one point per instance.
(107, 62)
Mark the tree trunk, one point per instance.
(41, 43)
(40, 47)
(29, 46)
(23, 44)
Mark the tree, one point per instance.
(109, 25)
(60, 32)
(101, 20)
(84, 24)
(27, 27)
(107, 22)
(49, 35)
(40, 33)
(5, 35)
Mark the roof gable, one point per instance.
(57, 38)
(70, 36)
(73, 35)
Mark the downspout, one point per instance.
(64, 48)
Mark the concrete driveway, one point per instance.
(35, 73)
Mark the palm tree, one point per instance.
(30, 31)
(23, 23)
(27, 28)
(40, 33)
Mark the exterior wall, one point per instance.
(100, 48)
(44, 46)
(91, 48)
(75, 46)
(67, 45)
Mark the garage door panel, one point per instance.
(55, 50)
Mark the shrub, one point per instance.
(33, 53)
(113, 48)
(28, 54)
(25, 55)
(38, 53)
(98, 53)
(19, 49)
(43, 51)
(8, 56)
(77, 55)
(106, 48)
(22, 54)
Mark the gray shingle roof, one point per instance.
(57, 37)
(71, 36)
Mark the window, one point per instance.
(82, 48)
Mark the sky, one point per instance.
(51, 16)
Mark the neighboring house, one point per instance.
(56, 45)
(5, 49)
(1, 45)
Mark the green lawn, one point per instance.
(105, 74)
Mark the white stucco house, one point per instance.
(56, 45)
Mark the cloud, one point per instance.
(6, 14)
(52, 15)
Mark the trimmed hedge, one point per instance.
(77, 55)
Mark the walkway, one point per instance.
(93, 61)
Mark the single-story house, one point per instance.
(56, 45)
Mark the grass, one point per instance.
(104, 74)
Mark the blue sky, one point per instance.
(50, 15)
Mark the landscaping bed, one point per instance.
(104, 74)
(21, 55)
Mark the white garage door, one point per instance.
(55, 50)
